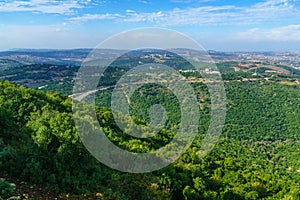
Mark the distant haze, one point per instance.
(254, 25)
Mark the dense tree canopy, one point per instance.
(257, 156)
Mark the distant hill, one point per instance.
(77, 56)
(30, 56)
(7, 64)
(59, 57)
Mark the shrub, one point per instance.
(6, 189)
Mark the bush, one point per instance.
(6, 189)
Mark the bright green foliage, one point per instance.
(257, 157)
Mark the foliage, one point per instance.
(6, 189)
(257, 156)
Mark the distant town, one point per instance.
(76, 56)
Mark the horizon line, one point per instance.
(89, 48)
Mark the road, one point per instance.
(80, 96)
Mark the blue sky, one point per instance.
(251, 25)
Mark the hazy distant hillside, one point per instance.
(55, 69)
(7, 64)
(46, 56)
(77, 56)
(40, 56)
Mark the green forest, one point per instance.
(256, 157)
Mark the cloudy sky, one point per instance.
(262, 25)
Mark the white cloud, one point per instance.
(285, 33)
(129, 11)
(188, 16)
(189, 1)
(268, 11)
(88, 17)
(144, 2)
(43, 6)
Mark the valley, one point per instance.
(256, 156)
